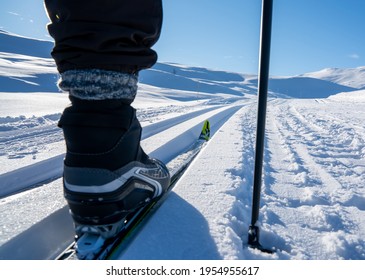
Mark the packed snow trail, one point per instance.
(168, 145)
(46, 170)
(313, 193)
(199, 218)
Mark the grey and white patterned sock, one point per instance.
(97, 84)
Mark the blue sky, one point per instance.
(308, 35)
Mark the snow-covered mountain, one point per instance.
(26, 66)
(351, 77)
(313, 194)
(12, 43)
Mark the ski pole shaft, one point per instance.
(263, 80)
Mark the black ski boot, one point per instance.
(107, 175)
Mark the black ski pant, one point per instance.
(114, 35)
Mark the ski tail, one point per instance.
(205, 133)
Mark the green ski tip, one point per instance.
(205, 134)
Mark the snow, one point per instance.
(313, 198)
(313, 195)
(353, 77)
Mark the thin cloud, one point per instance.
(354, 56)
(14, 14)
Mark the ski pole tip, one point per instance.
(253, 240)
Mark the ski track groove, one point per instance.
(48, 190)
(20, 136)
(316, 152)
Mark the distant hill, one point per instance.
(26, 66)
(351, 77)
(196, 79)
(306, 87)
(12, 43)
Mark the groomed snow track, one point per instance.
(47, 237)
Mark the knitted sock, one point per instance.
(96, 84)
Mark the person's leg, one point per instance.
(104, 34)
(100, 46)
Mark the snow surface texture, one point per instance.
(313, 196)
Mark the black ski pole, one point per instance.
(263, 80)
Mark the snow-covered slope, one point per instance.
(313, 194)
(12, 43)
(354, 96)
(26, 65)
(306, 87)
(351, 77)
